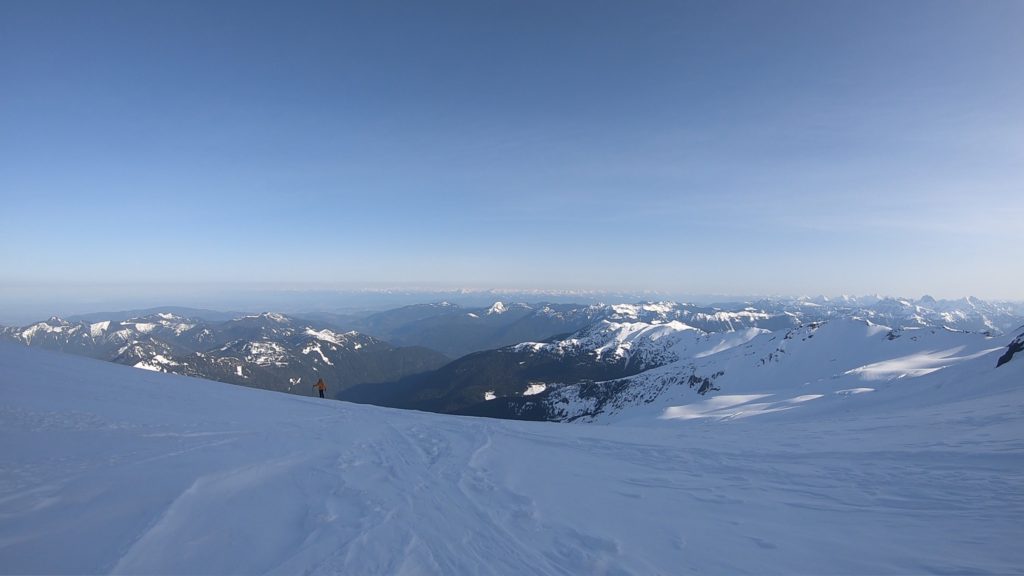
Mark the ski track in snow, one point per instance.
(108, 469)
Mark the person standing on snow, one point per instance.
(321, 386)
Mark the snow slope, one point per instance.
(110, 469)
(818, 359)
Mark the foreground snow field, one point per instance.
(105, 468)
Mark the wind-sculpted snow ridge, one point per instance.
(107, 469)
(818, 359)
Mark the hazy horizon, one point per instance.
(27, 303)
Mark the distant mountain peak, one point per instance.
(331, 336)
(271, 316)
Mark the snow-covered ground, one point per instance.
(104, 468)
(812, 362)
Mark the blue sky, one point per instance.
(704, 147)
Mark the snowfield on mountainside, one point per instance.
(812, 361)
(911, 466)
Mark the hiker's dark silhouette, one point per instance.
(321, 386)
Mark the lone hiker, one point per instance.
(321, 386)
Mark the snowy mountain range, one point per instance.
(268, 350)
(641, 354)
(842, 356)
(547, 361)
(458, 330)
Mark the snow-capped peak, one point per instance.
(272, 316)
(497, 308)
(96, 329)
(327, 335)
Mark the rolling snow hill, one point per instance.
(107, 469)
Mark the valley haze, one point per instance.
(21, 303)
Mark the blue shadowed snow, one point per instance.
(111, 469)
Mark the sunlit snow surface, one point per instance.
(735, 406)
(107, 469)
(913, 365)
(822, 359)
(533, 389)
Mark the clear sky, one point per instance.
(708, 147)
